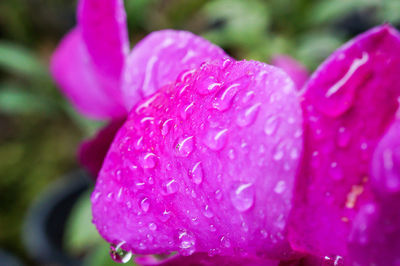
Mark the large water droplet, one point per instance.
(118, 254)
(248, 116)
(271, 125)
(242, 196)
(215, 139)
(171, 187)
(184, 146)
(145, 204)
(207, 85)
(223, 100)
(197, 173)
(187, 244)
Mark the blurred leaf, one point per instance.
(391, 11)
(16, 59)
(14, 100)
(81, 234)
(329, 11)
(237, 22)
(88, 126)
(101, 257)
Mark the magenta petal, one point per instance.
(347, 104)
(184, 174)
(203, 259)
(72, 69)
(296, 71)
(105, 33)
(375, 236)
(93, 151)
(159, 58)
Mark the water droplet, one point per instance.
(145, 204)
(271, 125)
(187, 244)
(207, 85)
(294, 154)
(197, 173)
(171, 187)
(166, 126)
(165, 216)
(343, 137)
(152, 226)
(278, 154)
(231, 154)
(225, 242)
(149, 160)
(218, 194)
(118, 254)
(215, 139)
(184, 146)
(185, 75)
(335, 171)
(280, 187)
(227, 62)
(139, 143)
(207, 212)
(263, 233)
(187, 111)
(212, 228)
(248, 116)
(242, 196)
(224, 98)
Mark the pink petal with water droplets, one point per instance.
(206, 183)
(72, 68)
(347, 104)
(375, 236)
(296, 71)
(105, 33)
(159, 58)
(92, 152)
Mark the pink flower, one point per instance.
(225, 158)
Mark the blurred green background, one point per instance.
(40, 132)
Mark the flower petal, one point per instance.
(293, 68)
(92, 152)
(105, 33)
(375, 236)
(159, 58)
(205, 165)
(72, 69)
(347, 104)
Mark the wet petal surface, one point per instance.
(191, 179)
(159, 58)
(347, 104)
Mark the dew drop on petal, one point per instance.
(145, 204)
(215, 139)
(184, 146)
(165, 216)
(223, 100)
(197, 173)
(187, 244)
(280, 187)
(207, 85)
(248, 116)
(343, 137)
(171, 187)
(271, 125)
(118, 254)
(207, 212)
(225, 242)
(166, 127)
(149, 160)
(152, 226)
(335, 171)
(242, 196)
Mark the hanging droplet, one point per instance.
(118, 254)
(197, 173)
(184, 146)
(215, 139)
(248, 116)
(242, 196)
(187, 244)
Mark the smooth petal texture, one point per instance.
(375, 236)
(105, 33)
(72, 69)
(159, 58)
(92, 152)
(296, 71)
(347, 104)
(205, 165)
